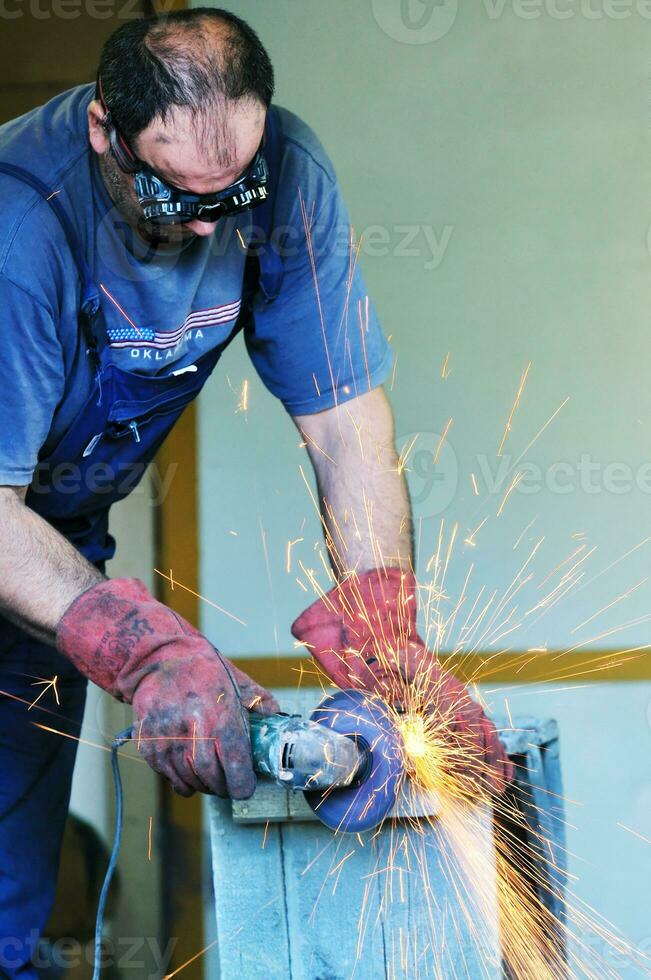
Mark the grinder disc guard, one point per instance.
(365, 804)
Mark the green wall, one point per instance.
(520, 145)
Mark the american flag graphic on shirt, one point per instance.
(128, 335)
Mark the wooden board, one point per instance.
(296, 902)
(273, 804)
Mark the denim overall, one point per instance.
(98, 461)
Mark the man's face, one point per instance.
(182, 154)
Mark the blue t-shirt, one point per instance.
(313, 347)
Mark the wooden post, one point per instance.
(177, 551)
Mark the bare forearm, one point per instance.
(364, 500)
(40, 572)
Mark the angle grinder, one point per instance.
(346, 758)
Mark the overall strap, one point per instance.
(271, 270)
(90, 301)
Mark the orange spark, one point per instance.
(48, 684)
(470, 540)
(168, 976)
(203, 598)
(243, 404)
(447, 428)
(119, 308)
(516, 479)
(635, 833)
(393, 374)
(541, 430)
(529, 525)
(516, 403)
(404, 455)
(290, 545)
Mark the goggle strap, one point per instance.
(126, 159)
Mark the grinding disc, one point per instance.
(365, 804)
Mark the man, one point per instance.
(130, 256)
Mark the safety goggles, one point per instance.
(164, 204)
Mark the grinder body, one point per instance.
(300, 754)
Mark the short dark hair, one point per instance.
(150, 66)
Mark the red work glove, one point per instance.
(191, 723)
(363, 634)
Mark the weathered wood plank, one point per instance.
(274, 804)
(323, 905)
(250, 899)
